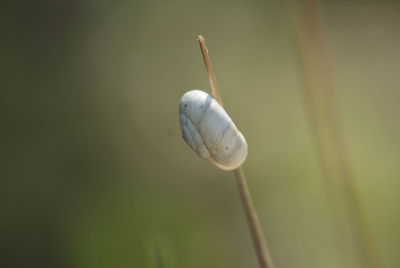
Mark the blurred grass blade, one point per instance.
(325, 122)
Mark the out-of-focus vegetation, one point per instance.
(95, 173)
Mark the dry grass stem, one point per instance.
(326, 125)
(210, 71)
(262, 252)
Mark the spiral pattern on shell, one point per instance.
(210, 132)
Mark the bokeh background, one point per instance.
(94, 172)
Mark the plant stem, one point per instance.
(326, 126)
(210, 71)
(257, 234)
(260, 245)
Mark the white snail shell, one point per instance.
(210, 132)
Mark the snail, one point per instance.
(210, 132)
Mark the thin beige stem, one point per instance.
(260, 245)
(210, 71)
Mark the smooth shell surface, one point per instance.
(210, 132)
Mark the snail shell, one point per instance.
(210, 132)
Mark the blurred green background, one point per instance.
(94, 172)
